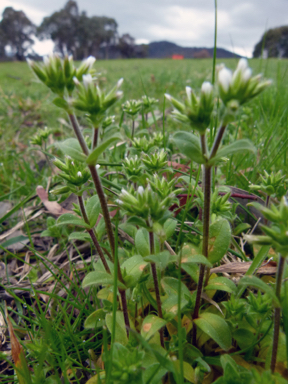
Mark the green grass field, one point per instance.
(50, 323)
(26, 105)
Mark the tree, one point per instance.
(61, 27)
(76, 33)
(274, 43)
(127, 46)
(17, 31)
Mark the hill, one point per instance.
(274, 43)
(164, 49)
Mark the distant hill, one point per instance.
(165, 49)
(274, 43)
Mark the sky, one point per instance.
(188, 23)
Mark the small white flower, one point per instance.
(247, 74)
(98, 166)
(140, 190)
(242, 65)
(119, 82)
(79, 174)
(120, 202)
(90, 61)
(87, 80)
(119, 94)
(124, 192)
(225, 78)
(168, 97)
(76, 81)
(207, 88)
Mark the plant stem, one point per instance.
(125, 309)
(95, 137)
(206, 223)
(133, 129)
(78, 133)
(217, 141)
(277, 315)
(104, 207)
(92, 234)
(156, 285)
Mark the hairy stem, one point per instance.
(92, 234)
(277, 315)
(95, 137)
(205, 241)
(78, 133)
(104, 207)
(217, 141)
(125, 309)
(156, 285)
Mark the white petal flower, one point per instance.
(76, 81)
(242, 65)
(124, 192)
(247, 74)
(119, 82)
(87, 80)
(225, 78)
(140, 190)
(188, 91)
(90, 61)
(119, 94)
(98, 166)
(168, 97)
(207, 88)
(79, 174)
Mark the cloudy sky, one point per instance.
(241, 23)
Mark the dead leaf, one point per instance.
(238, 267)
(52, 206)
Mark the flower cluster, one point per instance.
(271, 184)
(132, 108)
(92, 100)
(163, 187)
(155, 161)
(75, 174)
(148, 102)
(277, 235)
(196, 110)
(133, 167)
(41, 136)
(240, 86)
(58, 74)
(145, 203)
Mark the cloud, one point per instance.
(185, 22)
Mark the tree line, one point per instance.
(73, 32)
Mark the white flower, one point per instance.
(168, 97)
(140, 190)
(124, 192)
(76, 81)
(188, 91)
(247, 74)
(120, 202)
(79, 174)
(90, 61)
(119, 82)
(98, 166)
(225, 78)
(207, 88)
(87, 80)
(119, 94)
(242, 65)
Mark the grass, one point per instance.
(25, 106)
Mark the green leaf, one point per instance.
(244, 337)
(198, 259)
(243, 145)
(242, 227)
(170, 306)
(219, 240)
(257, 283)
(100, 278)
(70, 219)
(161, 259)
(169, 227)
(221, 284)
(81, 236)
(170, 286)
(120, 330)
(134, 267)
(215, 327)
(71, 147)
(93, 208)
(95, 320)
(189, 145)
(93, 157)
(142, 242)
(61, 103)
(188, 371)
(151, 325)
